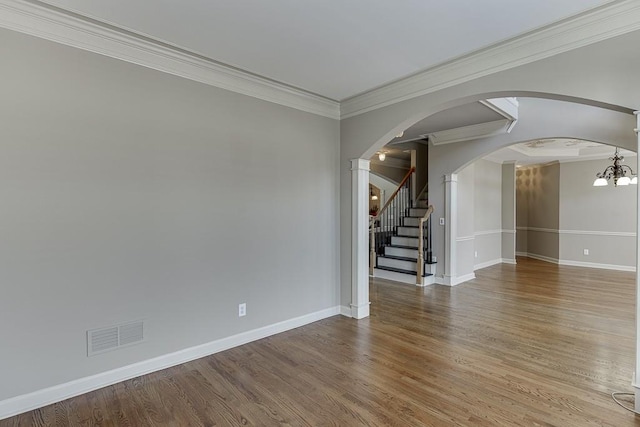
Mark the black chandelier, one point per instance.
(618, 172)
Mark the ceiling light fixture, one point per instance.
(373, 196)
(382, 155)
(616, 171)
(400, 135)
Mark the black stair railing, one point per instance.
(384, 224)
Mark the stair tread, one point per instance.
(404, 235)
(400, 270)
(409, 226)
(400, 258)
(401, 247)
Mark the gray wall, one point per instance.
(522, 210)
(390, 172)
(131, 194)
(540, 193)
(571, 215)
(488, 212)
(479, 220)
(422, 167)
(600, 219)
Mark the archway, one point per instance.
(540, 117)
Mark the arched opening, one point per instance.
(540, 116)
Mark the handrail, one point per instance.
(420, 261)
(390, 199)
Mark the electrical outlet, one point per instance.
(585, 251)
(441, 221)
(242, 309)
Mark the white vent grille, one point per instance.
(113, 337)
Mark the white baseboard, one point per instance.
(37, 399)
(455, 280)
(462, 279)
(345, 310)
(508, 261)
(596, 265)
(572, 263)
(487, 264)
(543, 258)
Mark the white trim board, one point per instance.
(572, 263)
(488, 232)
(345, 311)
(27, 402)
(487, 264)
(461, 279)
(494, 262)
(580, 232)
(50, 23)
(453, 281)
(607, 21)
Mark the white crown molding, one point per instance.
(610, 20)
(467, 133)
(506, 107)
(56, 25)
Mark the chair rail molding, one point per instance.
(60, 26)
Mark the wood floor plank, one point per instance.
(532, 344)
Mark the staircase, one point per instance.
(397, 259)
(395, 241)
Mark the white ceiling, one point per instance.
(548, 150)
(334, 48)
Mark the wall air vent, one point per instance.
(113, 337)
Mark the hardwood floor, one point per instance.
(534, 345)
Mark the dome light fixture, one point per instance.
(382, 155)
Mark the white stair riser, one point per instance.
(429, 280)
(404, 241)
(401, 277)
(397, 263)
(430, 268)
(408, 231)
(408, 253)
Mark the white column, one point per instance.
(509, 212)
(450, 227)
(636, 380)
(359, 238)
